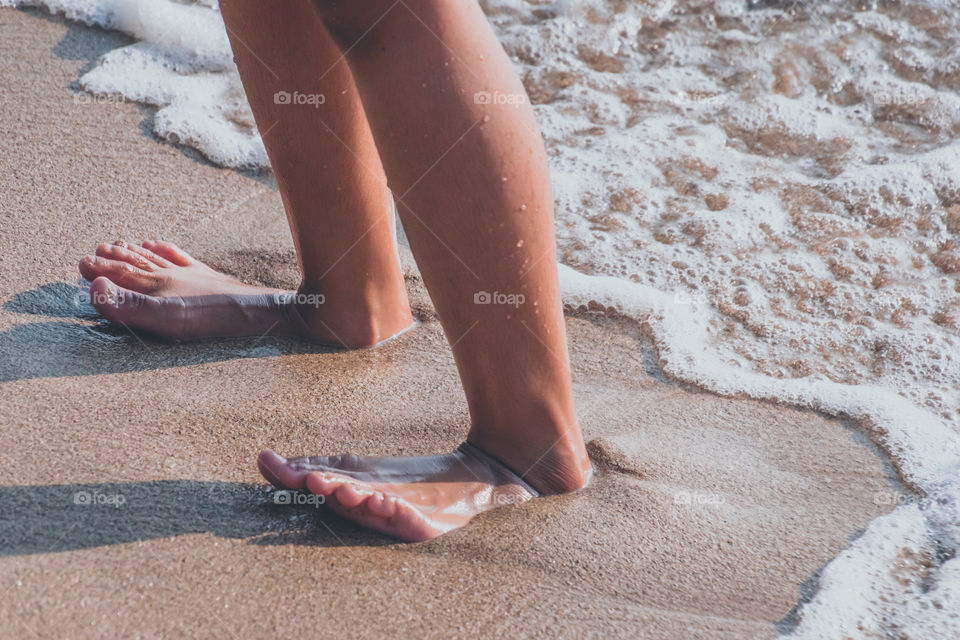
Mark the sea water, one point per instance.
(772, 187)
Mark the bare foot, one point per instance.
(411, 498)
(158, 288)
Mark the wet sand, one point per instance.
(709, 517)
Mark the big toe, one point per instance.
(279, 472)
(131, 309)
(111, 301)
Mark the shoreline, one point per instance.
(175, 430)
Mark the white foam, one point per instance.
(766, 190)
(182, 64)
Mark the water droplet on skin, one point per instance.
(519, 243)
(523, 207)
(503, 179)
(486, 118)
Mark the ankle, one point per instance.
(554, 464)
(354, 321)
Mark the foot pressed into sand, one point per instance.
(411, 498)
(156, 287)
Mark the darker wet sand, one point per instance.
(709, 517)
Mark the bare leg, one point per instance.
(334, 192)
(474, 194)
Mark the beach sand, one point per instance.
(709, 517)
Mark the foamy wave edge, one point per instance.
(181, 64)
(855, 586)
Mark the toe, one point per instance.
(278, 471)
(316, 483)
(324, 484)
(382, 506)
(170, 251)
(410, 524)
(135, 310)
(352, 495)
(404, 520)
(121, 253)
(157, 260)
(119, 272)
(113, 302)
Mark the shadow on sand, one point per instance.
(68, 517)
(75, 341)
(88, 345)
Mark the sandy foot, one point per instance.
(411, 498)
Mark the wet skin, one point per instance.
(158, 288)
(411, 498)
(472, 188)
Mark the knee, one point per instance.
(363, 25)
(351, 23)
